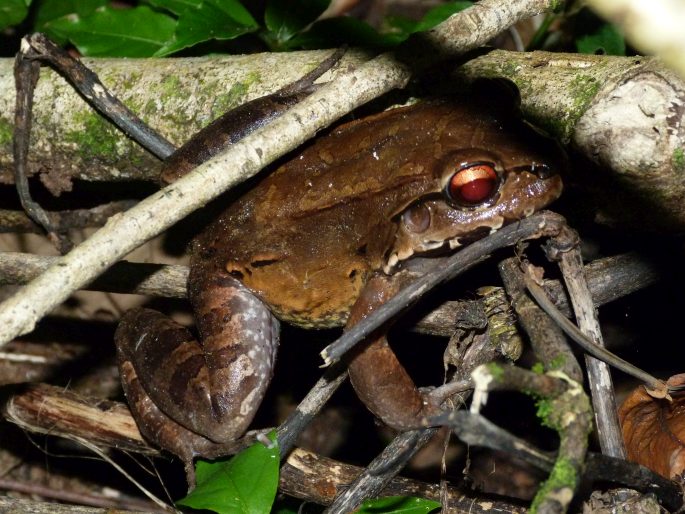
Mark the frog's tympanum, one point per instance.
(321, 242)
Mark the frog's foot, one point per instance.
(213, 387)
(379, 379)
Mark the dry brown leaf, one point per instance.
(654, 430)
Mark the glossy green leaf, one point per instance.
(398, 505)
(283, 21)
(137, 32)
(606, 40)
(13, 12)
(49, 10)
(212, 19)
(244, 484)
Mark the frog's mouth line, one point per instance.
(435, 248)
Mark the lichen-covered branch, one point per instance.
(175, 96)
(622, 112)
(562, 406)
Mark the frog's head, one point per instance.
(501, 172)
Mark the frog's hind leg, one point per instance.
(212, 386)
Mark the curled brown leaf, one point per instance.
(654, 429)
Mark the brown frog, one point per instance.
(320, 242)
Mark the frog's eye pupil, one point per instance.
(473, 184)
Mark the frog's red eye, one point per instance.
(472, 185)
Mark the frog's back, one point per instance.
(307, 236)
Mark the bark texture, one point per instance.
(176, 96)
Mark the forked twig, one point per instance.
(477, 430)
(567, 410)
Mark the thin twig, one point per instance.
(312, 403)
(588, 345)
(111, 502)
(94, 448)
(17, 221)
(26, 74)
(477, 430)
(381, 470)
(567, 410)
(599, 376)
(609, 278)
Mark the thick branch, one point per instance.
(625, 113)
(175, 96)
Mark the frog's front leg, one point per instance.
(211, 387)
(377, 376)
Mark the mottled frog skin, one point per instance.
(319, 243)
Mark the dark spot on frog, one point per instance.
(207, 252)
(184, 374)
(260, 263)
(167, 341)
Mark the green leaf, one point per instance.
(606, 40)
(244, 484)
(137, 32)
(283, 21)
(398, 505)
(211, 19)
(13, 12)
(49, 10)
(403, 27)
